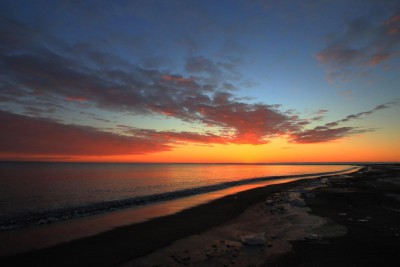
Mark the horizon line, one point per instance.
(242, 163)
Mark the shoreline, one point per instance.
(47, 217)
(129, 242)
(27, 239)
(186, 222)
(368, 206)
(343, 220)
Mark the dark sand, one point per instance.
(347, 220)
(368, 205)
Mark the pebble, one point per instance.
(312, 237)
(269, 202)
(256, 239)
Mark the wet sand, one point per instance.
(368, 205)
(303, 223)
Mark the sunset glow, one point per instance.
(200, 81)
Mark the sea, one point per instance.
(65, 190)
(64, 201)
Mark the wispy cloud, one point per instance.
(361, 114)
(57, 76)
(362, 44)
(330, 131)
(36, 68)
(32, 136)
(324, 134)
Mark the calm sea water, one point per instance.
(34, 189)
(38, 194)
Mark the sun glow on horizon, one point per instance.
(230, 90)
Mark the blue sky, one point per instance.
(204, 72)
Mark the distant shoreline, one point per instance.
(211, 163)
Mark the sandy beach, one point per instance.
(346, 220)
(199, 133)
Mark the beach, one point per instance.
(199, 133)
(345, 219)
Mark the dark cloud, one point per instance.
(322, 111)
(328, 132)
(38, 69)
(24, 136)
(323, 134)
(143, 91)
(200, 64)
(212, 71)
(361, 114)
(363, 43)
(57, 76)
(16, 36)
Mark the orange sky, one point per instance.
(277, 151)
(200, 81)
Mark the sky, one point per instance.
(200, 81)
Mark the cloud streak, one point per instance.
(361, 45)
(24, 136)
(53, 76)
(331, 132)
(361, 114)
(38, 69)
(28, 136)
(323, 134)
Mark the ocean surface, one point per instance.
(41, 193)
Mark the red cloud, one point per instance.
(360, 45)
(252, 123)
(76, 98)
(21, 135)
(177, 137)
(393, 24)
(377, 58)
(33, 77)
(176, 79)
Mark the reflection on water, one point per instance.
(26, 187)
(39, 237)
